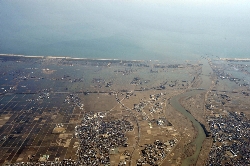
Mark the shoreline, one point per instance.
(236, 59)
(103, 59)
(65, 58)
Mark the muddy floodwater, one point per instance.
(197, 142)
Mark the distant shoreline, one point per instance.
(236, 59)
(101, 59)
(64, 57)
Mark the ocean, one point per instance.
(132, 30)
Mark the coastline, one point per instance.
(103, 59)
(236, 59)
(65, 58)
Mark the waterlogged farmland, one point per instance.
(117, 112)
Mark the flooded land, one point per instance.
(75, 111)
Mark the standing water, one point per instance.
(197, 142)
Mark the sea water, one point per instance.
(158, 30)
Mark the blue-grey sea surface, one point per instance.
(126, 29)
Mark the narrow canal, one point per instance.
(174, 101)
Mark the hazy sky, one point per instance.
(141, 28)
